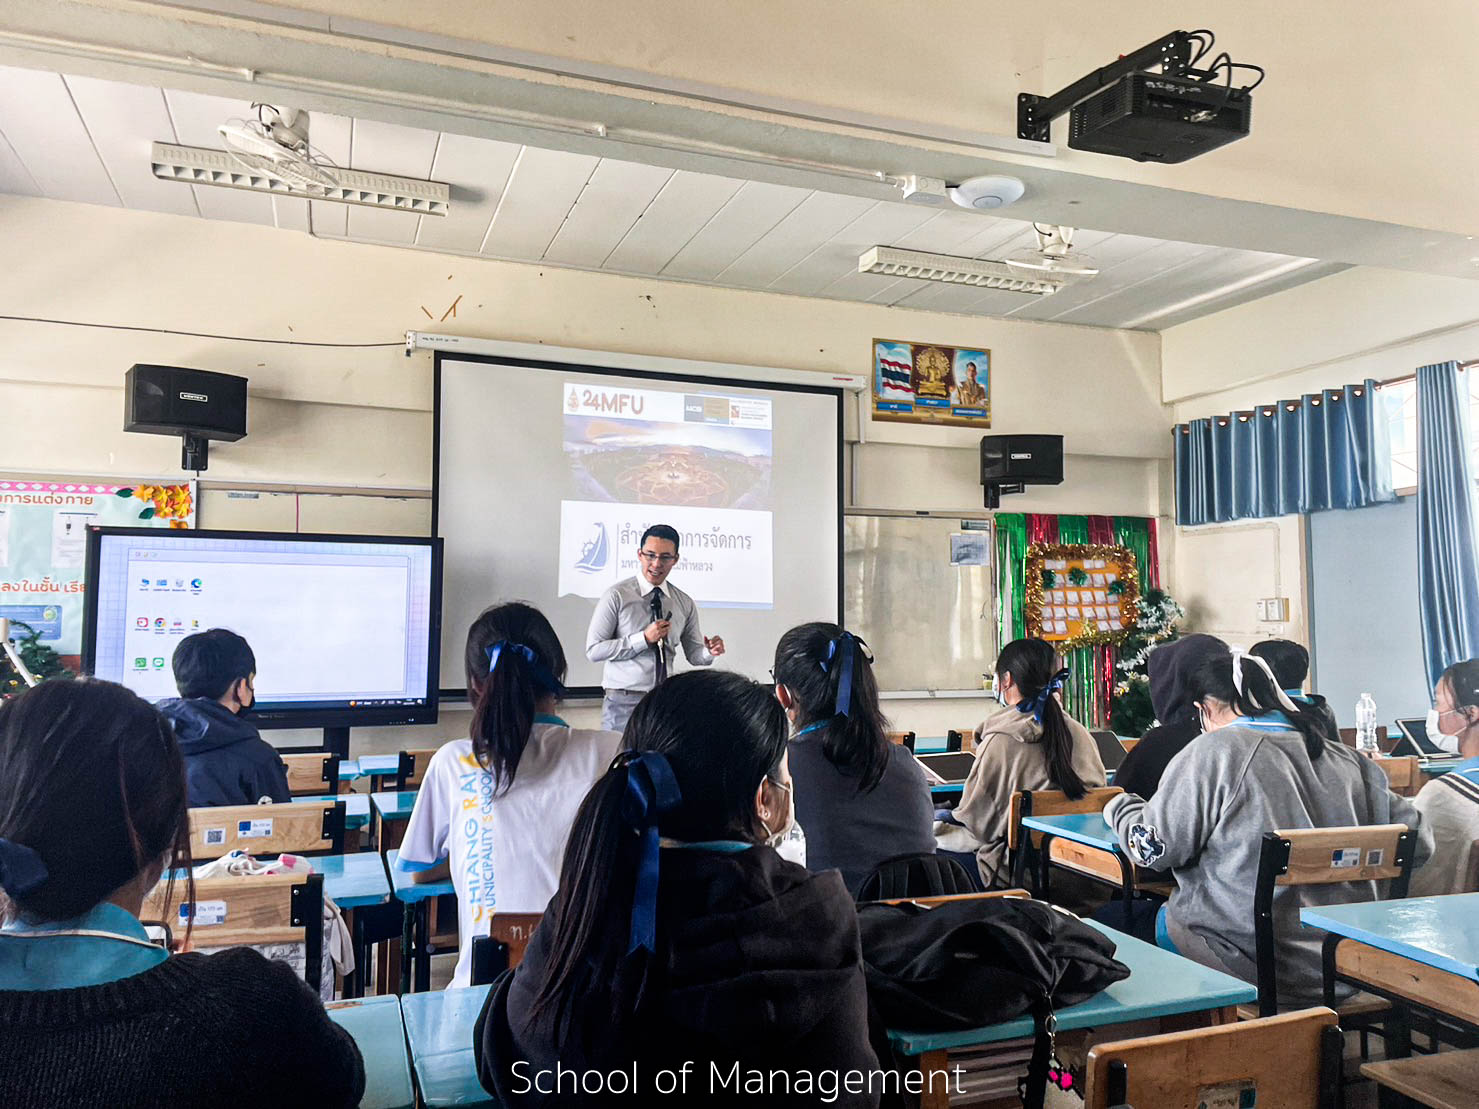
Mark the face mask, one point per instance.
(1439, 738)
(777, 837)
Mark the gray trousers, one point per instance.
(616, 708)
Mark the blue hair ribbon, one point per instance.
(21, 869)
(1038, 703)
(846, 644)
(651, 792)
(542, 676)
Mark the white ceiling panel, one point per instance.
(544, 186)
(86, 139)
(676, 214)
(118, 117)
(612, 201)
(810, 224)
(330, 135)
(748, 215)
(838, 256)
(196, 118)
(377, 147)
(477, 170)
(43, 128)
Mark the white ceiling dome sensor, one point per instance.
(1054, 257)
(985, 193)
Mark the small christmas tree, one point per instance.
(1130, 711)
(40, 660)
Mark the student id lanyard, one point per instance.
(88, 933)
(811, 728)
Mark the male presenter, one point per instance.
(637, 625)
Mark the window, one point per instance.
(1399, 402)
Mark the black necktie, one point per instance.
(662, 662)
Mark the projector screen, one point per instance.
(547, 474)
(341, 626)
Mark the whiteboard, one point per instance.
(931, 625)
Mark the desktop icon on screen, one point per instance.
(141, 664)
(196, 583)
(142, 622)
(159, 664)
(159, 621)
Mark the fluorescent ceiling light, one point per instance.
(923, 266)
(198, 166)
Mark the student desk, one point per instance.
(414, 897)
(356, 807)
(392, 811)
(378, 767)
(1161, 985)
(1423, 951)
(379, 1032)
(1085, 844)
(439, 1030)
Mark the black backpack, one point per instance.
(965, 964)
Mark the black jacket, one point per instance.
(1170, 667)
(759, 965)
(227, 762)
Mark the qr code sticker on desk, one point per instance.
(215, 837)
(1229, 1095)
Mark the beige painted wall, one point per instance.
(1335, 70)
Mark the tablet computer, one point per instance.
(1111, 750)
(950, 769)
(1415, 740)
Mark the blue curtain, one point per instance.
(1326, 450)
(1448, 570)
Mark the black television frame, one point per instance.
(336, 721)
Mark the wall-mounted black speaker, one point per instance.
(196, 405)
(1011, 462)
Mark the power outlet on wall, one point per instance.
(1273, 610)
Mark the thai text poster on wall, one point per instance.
(928, 384)
(698, 461)
(43, 543)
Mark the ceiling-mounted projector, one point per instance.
(1128, 110)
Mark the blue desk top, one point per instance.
(1090, 829)
(354, 880)
(356, 806)
(929, 744)
(378, 764)
(349, 770)
(405, 886)
(393, 805)
(1440, 932)
(439, 1029)
(375, 1023)
(1160, 985)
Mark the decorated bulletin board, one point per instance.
(43, 544)
(924, 383)
(1081, 594)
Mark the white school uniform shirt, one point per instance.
(505, 851)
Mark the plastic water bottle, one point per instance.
(1366, 725)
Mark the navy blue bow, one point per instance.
(1036, 705)
(21, 869)
(846, 644)
(652, 791)
(542, 677)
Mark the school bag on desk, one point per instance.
(981, 961)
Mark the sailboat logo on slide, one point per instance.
(595, 552)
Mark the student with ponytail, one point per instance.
(679, 940)
(860, 798)
(93, 1014)
(498, 805)
(1028, 743)
(1263, 762)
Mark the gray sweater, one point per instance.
(1206, 823)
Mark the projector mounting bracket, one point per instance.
(1035, 114)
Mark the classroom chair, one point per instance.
(1404, 774)
(1446, 1080)
(1054, 802)
(248, 911)
(903, 739)
(413, 767)
(311, 772)
(1348, 737)
(1128, 744)
(1291, 1061)
(945, 898)
(503, 947)
(297, 828)
(961, 739)
(907, 877)
(1321, 856)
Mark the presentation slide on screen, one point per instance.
(329, 623)
(548, 476)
